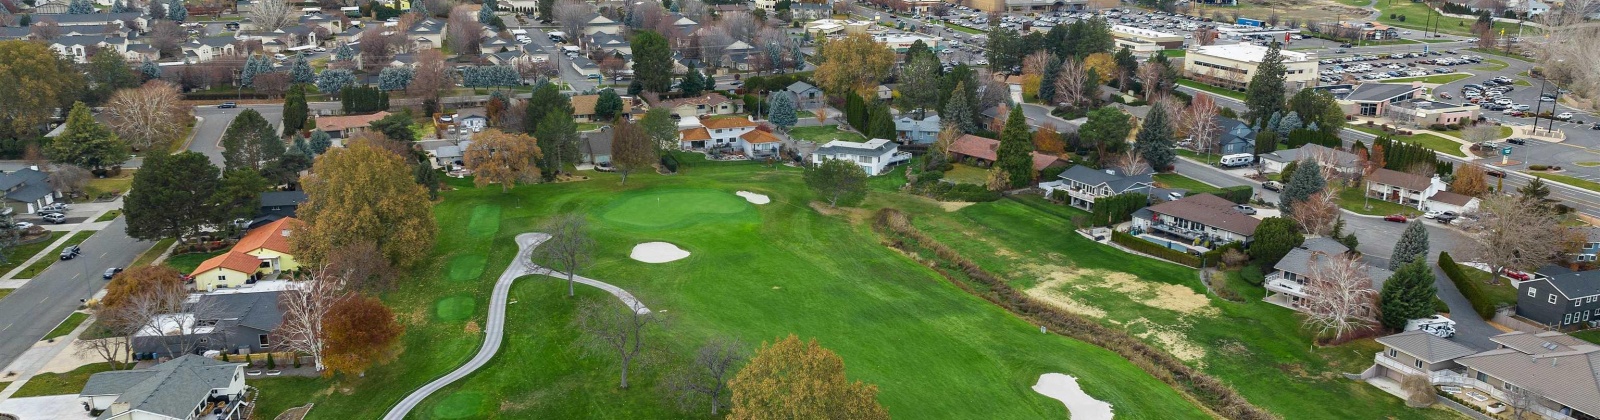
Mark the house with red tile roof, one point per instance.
(261, 253)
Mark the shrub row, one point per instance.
(1154, 249)
(1469, 287)
(1212, 257)
(1238, 194)
(1215, 395)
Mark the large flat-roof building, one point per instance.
(1038, 5)
(1144, 42)
(1231, 66)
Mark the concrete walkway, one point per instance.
(495, 332)
(96, 210)
(35, 359)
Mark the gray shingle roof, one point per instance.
(171, 389)
(1210, 210)
(832, 149)
(1428, 347)
(1119, 183)
(1377, 92)
(799, 87)
(1298, 260)
(282, 198)
(1340, 157)
(87, 18)
(1576, 284)
(254, 310)
(25, 185)
(1570, 375)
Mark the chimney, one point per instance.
(285, 232)
(1111, 172)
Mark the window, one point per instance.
(1393, 353)
(1532, 292)
(1552, 299)
(263, 340)
(1566, 319)
(1585, 316)
(1482, 377)
(1418, 363)
(222, 277)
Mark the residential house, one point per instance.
(329, 22)
(1373, 99)
(427, 33)
(188, 387)
(1563, 301)
(78, 47)
(1286, 285)
(1591, 245)
(277, 205)
(726, 135)
(583, 108)
(93, 21)
(699, 106)
(1202, 219)
(27, 190)
(610, 43)
(1406, 189)
(230, 323)
(1079, 186)
(806, 96)
(810, 11)
(981, 151)
(1556, 374)
(449, 156)
(596, 146)
(205, 49)
(1418, 353)
(473, 121)
(597, 23)
(760, 144)
(1342, 161)
(586, 67)
(346, 126)
(912, 130)
(1234, 136)
(262, 253)
(874, 156)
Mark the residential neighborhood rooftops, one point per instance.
(33, 185)
(273, 236)
(758, 136)
(172, 389)
(584, 104)
(985, 148)
(241, 262)
(1576, 284)
(697, 133)
(1309, 151)
(1451, 198)
(1428, 347)
(1408, 181)
(872, 147)
(706, 99)
(1301, 259)
(282, 198)
(1569, 375)
(727, 122)
(1210, 210)
(346, 122)
(1110, 177)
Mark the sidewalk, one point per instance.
(71, 230)
(36, 358)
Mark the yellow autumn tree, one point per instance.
(363, 194)
(790, 379)
(1103, 66)
(498, 157)
(855, 62)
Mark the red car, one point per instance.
(1399, 218)
(1514, 274)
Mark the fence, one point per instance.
(1508, 318)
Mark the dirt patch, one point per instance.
(1161, 295)
(509, 405)
(1304, 11)
(472, 327)
(1050, 292)
(1171, 338)
(950, 206)
(854, 215)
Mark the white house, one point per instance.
(1081, 185)
(1420, 192)
(874, 156)
(713, 134)
(176, 390)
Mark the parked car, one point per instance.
(112, 272)
(1431, 214)
(1514, 274)
(228, 105)
(1564, 116)
(1174, 196)
(71, 252)
(1399, 218)
(1245, 209)
(1517, 141)
(56, 207)
(57, 218)
(1446, 217)
(1272, 186)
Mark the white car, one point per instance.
(1564, 116)
(22, 225)
(1431, 214)
(1502, 101)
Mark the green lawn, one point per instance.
(1505, 131)
(1258, 348)
(588, 126)
(823, 134)
(66, 326)
(1351, 199)
(756, 273)
(1593, 336)
(967, 174)
(1491, 64)
(1501, 294)
(4, 292)
(188, 262)
(1208, 158)
(15, 256)
(1437, 79)
(109, 216)
(60, 383)
(149, 256)
(1211, 89)
(52, 256)
(1436, 143)
(959, 28)
(1573, 181)
(1175, 181)
(106, 186)
(1416, 18)
(1175, 53)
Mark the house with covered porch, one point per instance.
(1079, 186)
(1286, 285)
(1402, 188)
(263, 253)
(1204, 220)
(1547, 375)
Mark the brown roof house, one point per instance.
(583, 108)
(980, 151)
(346, 126)
(1548, 374)
(703, 105)
(1197, 219)
(1421, 192)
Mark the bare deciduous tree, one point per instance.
(1515, 233)
(1071, 82)
(1130, 163)
(608, 329)
(1150, 75)
(1339, 295)
(706, 379)
(1318, 213)
(271, 15)
(569, 248)
(431, 76)
(305, 304)
(46, 29)
(465, 34)
(573, 16)
(70, 179)
(714, 42)
(147, 116)
(1200, 122)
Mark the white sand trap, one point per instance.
(1065, 388)
(658, 252)
(754, 198)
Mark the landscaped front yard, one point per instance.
(1351, 199)
(824, 133)
(1211, 89)
(1430, 141)
(967, 174)
(1180, 182)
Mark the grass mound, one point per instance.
(673, 208)
(466, 267)
(455, 308)
(485, 221)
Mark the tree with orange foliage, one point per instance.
(1103, 65)
(505, 158)
(793, 379)
(135, 279)
(1047, 140)
(359, 332)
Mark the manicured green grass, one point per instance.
(1256, 347)
(959, 28)
(1491, 64)
(1592, 336)
(1586, 164)
(1180, 182)
(1433, 142)
(109, 216)
(756, 273)
(60, 383)
(149, 256)
(1504, 131)
(53, 255)
(186, 263)
(66, 326)
(1573, 181)
(1417, 18)
(1352, 199)
(17, 255)
(1175, 53)
(3, 293)
(1211, 89)
(588, 126)
(967, 174)
(823, 134)
(1500, 294)
(1208, 158)
(105, 186)
(1437, 79)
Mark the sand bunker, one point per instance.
(1080, 405)
(658, 252)
(754, 198)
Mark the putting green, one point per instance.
(485, 221)
(455, 308)
(670, 208)
(466, 267)
(462, 405)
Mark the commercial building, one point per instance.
(1038, 5)
(1145, 42)
(1231, 66)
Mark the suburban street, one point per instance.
(30, 312)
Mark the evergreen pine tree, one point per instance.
(300, 71)
(1288, 124)
(486, 13)
(709, 79)
(780, 111)
(880, 125)
(693, 82)
(80, 7)
(295, 110)
(1313, 127)
(176, 11)
(247, 73)
(1413, 246)
(345, 52)
(302, 147)
(1154, 140)
(1047, 82)
(148, 70)
(1274, 122)
(1267, 91)
(1407, 295)
(1307, 180)
(959, 111)
(118, 7)
(320, 142)
(1015, 153)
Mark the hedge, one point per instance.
(1214, 256)
(1252, 274)
(1238, 194)
(1154, 249)
(1469, 287)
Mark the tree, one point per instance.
(1318, 214)
(168, 196)
(1105, 128)
(1071, 83)
(37, 82)
(300, 72)
(1469, 180)
(558, 140)
(332, 81)
(705, 380)
(320, 142)
(693, 82)
(880, 124)
(486, 12)
(1103, 66)
(148, 70)
(1155, 138)
(364, 193)
(248, 142)
(463, 32)
(569, 248)
(80, 7)
(1275, 236)
(608, 106)
(608, 330)
(295, 110)
(176, 11)
(395, 127)
(1048, 80)
(1200, 121)
(652, 61)
(394, 78)
(1339, 295)
(358, 332)
(1015, 152)
(1290, 123)
(431, 75)
(632, 149)
(306, 305)
(1412, 246)
(270, 16)
(107, 72)
(919, 83)
(853, 63)
(1407, 295)
(238, 194)
(1307, 180)
(838, 182)
(781, 111)
(65, 178)
(149, 116)
(1516, 234)
(1264, 95)
(86, 143)
(1535, 191)
(497, 157)
(657, 122)
(793, 379)
(1048, 140)
(959, 111)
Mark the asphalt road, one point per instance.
(31, 311)
(214, 122)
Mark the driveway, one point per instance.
(214, 122)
